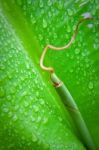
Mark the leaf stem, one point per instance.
(74, 112)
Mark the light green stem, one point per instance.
(74, 112)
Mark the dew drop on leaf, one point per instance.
(60, 119)
(83, 3)
(42, 101)
(36, 108)
(55, 36)
(2, 66)
(60, 5)
(8, 97)
(16, 107)
(46, 146)
(2, 92)
(90, 85)
(45, 120)
(5, 109)
(37, 93)
(68, 29)
(29, 2)
(96, 46)
(78, 83)
(10, 114)
(40, 37)
(44, 23)
(24, 93)
(32, 118)
(14, 118)
(27, 66)
(49, 2)
(86, 14)
(38, 119)
(71, 70)
(90, 25)
(26, 104)
(70, 12)
(77, 51)
(34, 137)
(41, 3)
(85, 73)
(33, 20)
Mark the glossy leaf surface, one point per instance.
(32, 115)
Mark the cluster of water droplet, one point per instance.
(24, 102)
(53, 22)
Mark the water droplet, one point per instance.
(90, 85)
(24, 8)
(90, 25)
(42, 102)
(38, 119)
(85, 73)
(24, 93)
(46, 146)
(35, 108)
(49, 2)
(87, 65)
(41, 4)
(60, 119)
(60, 5)
(2, 66)
(40, 37)
(16, 107)
(29, 2)
(70, 12)
(2, 92)
(8, 97)
(68, 29)
(5, 109)
(44, 23)
(34, 137)
(32, 118)
(27, 66)
(86, 15)
(37, 93)
(14, 118)
(83, 3)
(9, 75)
(95, 46)
(71, 70)
(49, 14)
(26, 104)
(77, 51)
(10, 114)
(67, 54)
(45, 120)
(13, 90)
(78, 83)
(33, 20)
(55, 35)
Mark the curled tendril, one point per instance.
(51, 69)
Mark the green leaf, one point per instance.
(31, 114)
